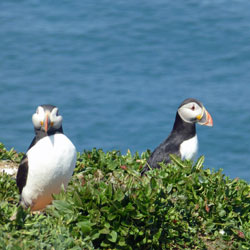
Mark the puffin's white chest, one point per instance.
(51, 163)
(189, 148)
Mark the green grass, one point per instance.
(108, 205)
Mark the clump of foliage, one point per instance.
(10, 155)
(108, 205)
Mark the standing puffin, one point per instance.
(49, 161)
(182, 141)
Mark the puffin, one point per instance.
(49, 161)
(182, 140)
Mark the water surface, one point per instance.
(118, 70)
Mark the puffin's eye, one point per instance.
(193, 108)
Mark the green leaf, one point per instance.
(112, 216)
(104, 231)
(199, 163)
(153, 183)
(113, 236)
(222, 213)
(85, 226)
(119, 195)
(63, 206)
(148, 190)
(177, 160)
(169, 188)
(109, 191)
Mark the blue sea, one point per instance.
(118, 70)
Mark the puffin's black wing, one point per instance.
(22, 173)
(161, 154)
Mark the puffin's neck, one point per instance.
(41, 134)
(182, 127)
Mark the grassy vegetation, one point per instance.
(108, 205)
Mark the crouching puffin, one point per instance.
(49, 161)
(182, 141)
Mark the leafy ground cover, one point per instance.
(108, 205)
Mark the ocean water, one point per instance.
(118, 71)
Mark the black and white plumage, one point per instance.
(49, 161)
(182, 140)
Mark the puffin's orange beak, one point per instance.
(209, 121)
(205, 118)
(46, 124)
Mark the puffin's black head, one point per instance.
(192, 111)
(47, 118)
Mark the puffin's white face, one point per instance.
(192, 112)
(46, 119)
